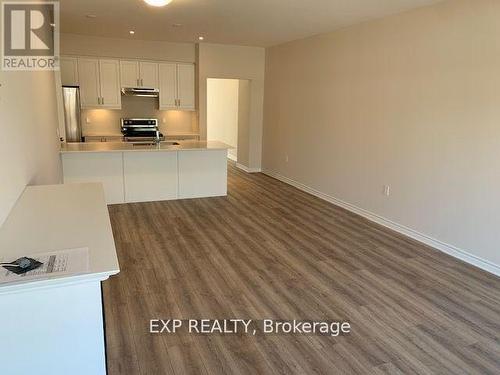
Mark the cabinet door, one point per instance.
(150, 176)
(202, 173)
(186, 86)
(69, 71)
(110, 83)
(88, 72)
(168, 86)
(149, 74)
(129, 73)
(105, 167)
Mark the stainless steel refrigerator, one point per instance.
(72, 118)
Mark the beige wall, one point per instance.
(107, 121)
(244, 107)
(224, 61)
(72, 44)
(29, 141)
(411, 101)
(222, 112)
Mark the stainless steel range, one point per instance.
(141, 130)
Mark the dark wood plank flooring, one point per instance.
(269, 250)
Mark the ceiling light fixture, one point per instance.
(158, 3)
(91, 16)
(201, 38)
(132, 32)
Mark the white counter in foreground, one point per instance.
(142, 173)
(55, 326)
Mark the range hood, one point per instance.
(137, 91)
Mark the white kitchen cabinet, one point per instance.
(150, 176)
(177, 87)
(106, 168)
(99, 83)
(129, 73)
(90, 91)
(148, 74)
(202, 173)
(168, 86)
(69, 71)
(139, 74)
(186, 87)
(109, 77)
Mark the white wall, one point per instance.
(72, 44)
(235, 62)
(29, 141)
(222, 112)
(411, 101)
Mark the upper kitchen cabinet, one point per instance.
(90, 91)
(148, 74)
(177, 87)
(109, 77)
(99, 83)
(69, 71)
(186, 86)
(129, 73)
(168, 86)
(139, 74)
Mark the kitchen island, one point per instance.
(149, 172)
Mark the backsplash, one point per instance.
(107, 121)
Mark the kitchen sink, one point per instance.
(151, 144)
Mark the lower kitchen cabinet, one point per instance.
(150, 176)
(106, 168)
(145, 176)
(202, 174)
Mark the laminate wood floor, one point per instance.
(268, 250)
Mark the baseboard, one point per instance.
(437, 244)
(232, 157)
(248, 170)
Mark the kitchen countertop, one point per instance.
(130, 147)
(60, 217)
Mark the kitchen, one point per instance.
(132, 124)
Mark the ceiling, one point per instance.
(244, 22)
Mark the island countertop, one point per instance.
(131, 147)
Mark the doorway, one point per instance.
(227, 113)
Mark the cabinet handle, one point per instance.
(98, 100)
(102, 100)
(138, 84)
(142, 82)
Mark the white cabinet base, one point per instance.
(150, 176)
(57, 331)
(202, 174)
(106, 168)
(144, 176)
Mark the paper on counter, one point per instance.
(55, 264)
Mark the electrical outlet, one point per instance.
(387, 190)
(164, 120)
(286, 158)
(87, 120)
